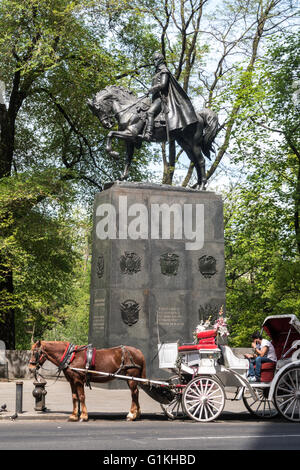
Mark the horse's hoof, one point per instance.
(133, 416)
(84, 418)
(73, 418)
(130, 417)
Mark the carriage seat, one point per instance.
(268, 368)
(206, 340)
(206, 334)
(196, 347)
(267, 371)
(233, 361)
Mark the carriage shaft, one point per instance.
(122, 377)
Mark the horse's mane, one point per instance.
(122, 92)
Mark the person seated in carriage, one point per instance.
(263, 352)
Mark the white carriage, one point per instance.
(205, 372)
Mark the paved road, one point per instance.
(235, 432)
(107, 430)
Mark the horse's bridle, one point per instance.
(114, 115)
(39, 354)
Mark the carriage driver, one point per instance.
(263, 352)
(168, 97)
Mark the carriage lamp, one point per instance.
(39, 394)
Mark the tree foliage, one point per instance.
(52, 60)
(262, 218)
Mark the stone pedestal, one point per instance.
(157, 266)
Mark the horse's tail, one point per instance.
(143, 370)
(211, 124)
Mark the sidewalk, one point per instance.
(59, 401)
(101, 402)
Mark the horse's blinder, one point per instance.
(38, 356)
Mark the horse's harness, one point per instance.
(69, 355)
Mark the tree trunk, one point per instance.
(7, 314)
(7, 142)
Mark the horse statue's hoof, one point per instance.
(148, 137)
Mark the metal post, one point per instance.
(19, 397)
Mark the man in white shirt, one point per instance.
(263, 352)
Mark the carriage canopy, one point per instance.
(283, 331)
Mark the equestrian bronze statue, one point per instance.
(168, 116)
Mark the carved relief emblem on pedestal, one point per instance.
(100, 266)
(130, 312)
(207, 266)
(209, 311)
(130, 263)
(169, 263)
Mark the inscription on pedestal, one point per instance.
(99, 315)
(170, 316)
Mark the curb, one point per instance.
(63, 416)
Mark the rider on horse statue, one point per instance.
(169, 98)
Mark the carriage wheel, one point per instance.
(174, 410)
(204, 399)
(287, 394)
(261, 407)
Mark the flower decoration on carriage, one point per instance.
(221, 324)
(203, 326)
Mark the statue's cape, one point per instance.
(180, 111)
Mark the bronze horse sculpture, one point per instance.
(125, 360)
(116, 103)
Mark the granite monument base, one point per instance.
(157, 266)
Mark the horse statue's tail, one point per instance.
(211, 124)
(143, 371)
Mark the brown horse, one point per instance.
(125, 360)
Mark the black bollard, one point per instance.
(39, 394)
(19, 397)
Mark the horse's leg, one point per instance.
(135, 411)
(74, 416)
(109, 149)
(190, 143)
(185, 144)
(81, 395)
(199, 157)
(200, 169)
(129, 155)
(126, 135)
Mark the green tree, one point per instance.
(262, 212)
(52, 60)
(213, 48)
